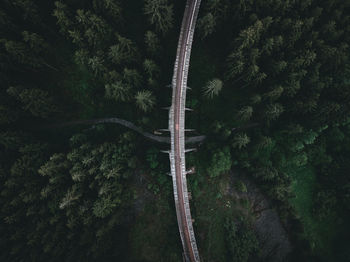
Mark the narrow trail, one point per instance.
(114, 120)
(177, 131)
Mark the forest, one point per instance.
(83, 87)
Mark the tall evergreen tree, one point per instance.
(160, 14)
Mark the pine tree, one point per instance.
(29, 53)
(19, 52)
(212, 88)
(7, 115)
(112, 7)
(124, 51)
(273, 111)
(118, 91)
(206, 25)
(152, 42)
(76, 36)
(145, 100)
(70, 197)
(255, 99)
(54, 168)
(266, 173)
(81, 57)
(5, 20)
(240, 141)
(11, 139)
(221, 162)
(245, 113)
(103, 207)
(96, 64)
(274, 94)
(236, 64)
(151, 68)
(132, 77)
(34, 100)
(61, 14)
(160, 14)
(265, 143)
(29, 9)
(35, 41)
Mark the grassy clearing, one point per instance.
(303, 186)
(320, 233)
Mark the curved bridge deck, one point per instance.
(177, 126)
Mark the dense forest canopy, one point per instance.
(270, 89)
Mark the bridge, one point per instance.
(177, 131)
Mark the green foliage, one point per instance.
(96, 65)
(132, 77)
(275, 93)
(152, 157)
(28, 9)
(212, 88)
(240, 140)
(245, 113)
(240, 186)
(11, 139)
(213, 17)
(56, 164)
(60, 12)
(242, 243)
(118, 91)
(35, 41)
(112, 7)
(79, 193)
(70, 197)
(154, 235)
(152, 42)
(6, 115)
(300, 160)
(151, 68)
(110, 56)
(206, 25)
(310, 137)
(103, 207)
(265, 143)
(123, 52)
(220, 162)
(160, 14)
(273, 111)
(20, 53)
(286, 92)
(38, 102)
(145, 100)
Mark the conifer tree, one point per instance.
(240, 140)
(160, 14)
(61, 14)
(132, 77)
(212, 88)
(34, 100)
(118, 91)
(151, 68)
(145, 100)
(152, 42)
(112, 7)
(206, 25)
(245, 113)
